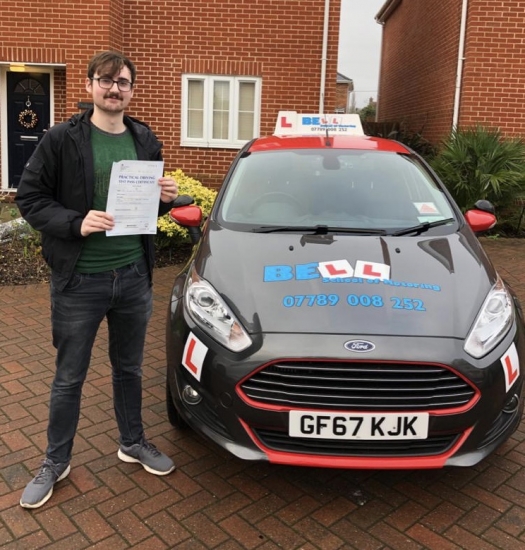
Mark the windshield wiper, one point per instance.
(422, 227)
(317, 229)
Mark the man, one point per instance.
(63, 193)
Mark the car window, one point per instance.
(340, 188)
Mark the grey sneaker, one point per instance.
(39, 490)
(152, 460)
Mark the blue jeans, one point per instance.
(124, 297)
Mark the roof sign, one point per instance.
(291, 123)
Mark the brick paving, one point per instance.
(214, 501)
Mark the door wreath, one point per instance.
(28, 119)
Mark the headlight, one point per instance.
(492, 323)
(210, 312)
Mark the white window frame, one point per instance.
(207, 141)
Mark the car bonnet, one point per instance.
(345, 284)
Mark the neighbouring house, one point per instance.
(343, 94)
(211, 75)
(452, 63)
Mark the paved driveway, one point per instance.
(213, 500)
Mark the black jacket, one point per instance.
(56, 190)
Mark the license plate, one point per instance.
(328, 425)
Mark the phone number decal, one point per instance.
(354, 300)
(311, 300)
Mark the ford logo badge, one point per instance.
(360, 346)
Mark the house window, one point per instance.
(220, 111)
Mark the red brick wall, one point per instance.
(494, 76)
(60, 94)
(278, 41)
(341, 97)
(418, 66)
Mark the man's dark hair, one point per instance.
(110, 63)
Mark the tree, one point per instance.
(368, 113)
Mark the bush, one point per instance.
(400, 132)
(168, 232)
(478, 163)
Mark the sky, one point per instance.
(360, 47)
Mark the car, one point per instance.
(338, 310)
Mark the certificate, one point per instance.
(133, 196)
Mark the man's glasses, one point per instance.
(107, 83)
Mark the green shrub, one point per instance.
(400, 132)
(168, 232)
(478, 163)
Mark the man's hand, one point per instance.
(169, 189)
(96, 221)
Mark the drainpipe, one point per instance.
(461, 59)
(324, 55)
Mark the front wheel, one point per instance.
(174, 416)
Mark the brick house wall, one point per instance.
(344, 87)
(420, 60)
(419, 53)
(281, 42)
(494, 75)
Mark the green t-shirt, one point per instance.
(99, 252)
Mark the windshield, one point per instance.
(333, 188)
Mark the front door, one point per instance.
(28, 117)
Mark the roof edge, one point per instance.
(387, 10)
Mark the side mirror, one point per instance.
(182, 200)
(485, 206)
(189, 217)
(480, 220)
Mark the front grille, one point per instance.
(358, 386)
(281, 441)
